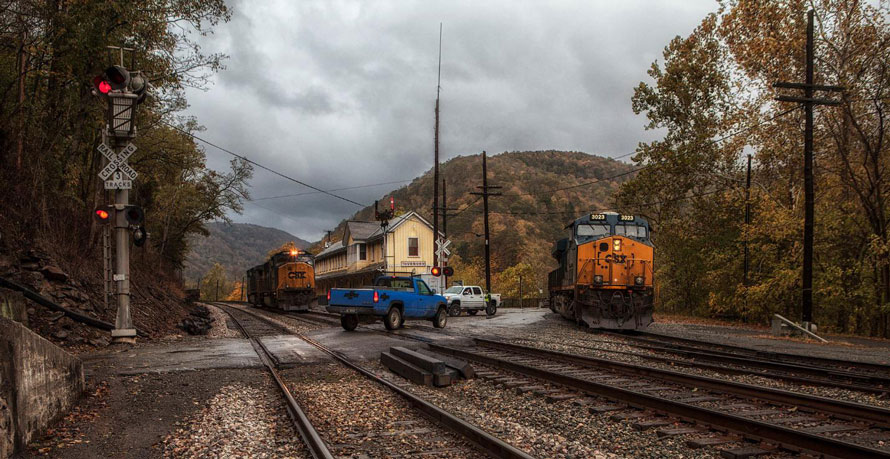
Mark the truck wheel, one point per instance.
(492, 308)
(441, 318)
(349, 321)
(473, 312)
(454, 309)
(393, 319)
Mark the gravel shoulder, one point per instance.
(129, 416)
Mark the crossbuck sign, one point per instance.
(118, 175)
(442, 248)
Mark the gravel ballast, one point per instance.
(239, 421)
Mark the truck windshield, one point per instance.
(454, 289)
(395, 283)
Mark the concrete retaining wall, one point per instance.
(38, 382)
(12, 306)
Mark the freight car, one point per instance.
(286, 281)
(605, 273)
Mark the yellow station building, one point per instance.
(359, 257)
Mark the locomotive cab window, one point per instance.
(594, 231)
(638, 231)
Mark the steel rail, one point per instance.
(735, 370)
(770, 355)
(825, 377)
(784, 436)
(856, 411)
(488, 443)
(314, 443)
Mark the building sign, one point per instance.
(409, 263)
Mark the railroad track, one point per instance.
(252, 328)
(868, 382)
(485, 442)
(847, 374)
(789, 420)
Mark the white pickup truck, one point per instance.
(470, 298)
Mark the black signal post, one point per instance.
(809, 101)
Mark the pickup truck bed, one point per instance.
(391, 299)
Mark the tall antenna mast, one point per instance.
(436, 160)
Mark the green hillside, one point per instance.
(236, 246)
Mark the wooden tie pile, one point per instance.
(424, 367)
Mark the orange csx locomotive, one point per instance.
(605, 274)
(286, 281)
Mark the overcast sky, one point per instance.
(341, 93)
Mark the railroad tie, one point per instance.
(662, 433)
(524, 389)
(598, 409)
(704, 442)
(628, 416)
(554, 398)
(646, 425)
(743, 452)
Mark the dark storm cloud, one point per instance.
(341, 93)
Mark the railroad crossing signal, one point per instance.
(442, 248)
(437, 271)
(122, 175)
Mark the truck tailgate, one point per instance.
(352, 297)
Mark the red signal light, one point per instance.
(436, 271)
(376, 297)
(392, 203)
(102, 214)
(102, 85)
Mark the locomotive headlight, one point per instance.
(616, 245)
(638, 280)
(597, 279)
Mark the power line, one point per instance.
(276, 212)
(244, 158)
(335, 189)
(467, 207)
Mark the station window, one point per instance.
(362, 252)
(413, 249)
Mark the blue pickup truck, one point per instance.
(392, 298)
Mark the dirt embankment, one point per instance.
(156, 297)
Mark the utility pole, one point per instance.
(520, 291)
(444, 228)
(809, 87)
(216, 296)
(436, 160)
(241, 295)
(485, 193)
(747, 218)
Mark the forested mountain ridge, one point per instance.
(235, 246)
(524, 222)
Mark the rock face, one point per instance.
(53, 273)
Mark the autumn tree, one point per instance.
(713, 96)
(215, 285)
(50, 122)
